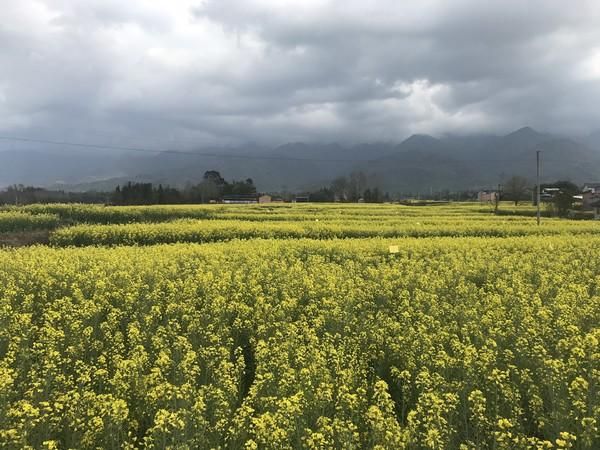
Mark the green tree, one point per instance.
(563, 200)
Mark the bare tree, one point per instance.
(516, 188)
(357, 184)
(339, 186)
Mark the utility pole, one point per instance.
(537, 158)
(497, 199)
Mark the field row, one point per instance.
(318, 344)
(16, 221)
(99, 214)
(201, 231)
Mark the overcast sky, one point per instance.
(183, 73)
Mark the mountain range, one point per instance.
(419, 163)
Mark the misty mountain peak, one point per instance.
(525, 132)
(420, 139)
(419, 143)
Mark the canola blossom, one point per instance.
(100, 214)
(16, 221)
(187, 230)
(465, 340)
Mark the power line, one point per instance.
(257, 157)
(159, 151)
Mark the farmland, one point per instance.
(294, 326)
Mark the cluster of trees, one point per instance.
(518, 188)
(213, 187)
(145, 194)
(562, 199)
(19, 194)
(352, 188)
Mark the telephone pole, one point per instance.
(537, 158)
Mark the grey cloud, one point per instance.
(190, 73)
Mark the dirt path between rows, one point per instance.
(24, 238)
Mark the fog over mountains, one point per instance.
(419, 163)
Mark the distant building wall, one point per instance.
(240, 198)
(590, 195)
(487, 196)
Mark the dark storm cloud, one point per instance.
(185, 73)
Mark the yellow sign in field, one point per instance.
(394, 249)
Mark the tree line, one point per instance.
(352, 188)
(517, 189)
(355, 187)
(19, 194)
(212, 188)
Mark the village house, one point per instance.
(590, 195)
(264, 199)
(487, 196)
(547, 194)
(240, 198)
(596, 207)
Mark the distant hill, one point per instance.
(43, 168)
(419, 163)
